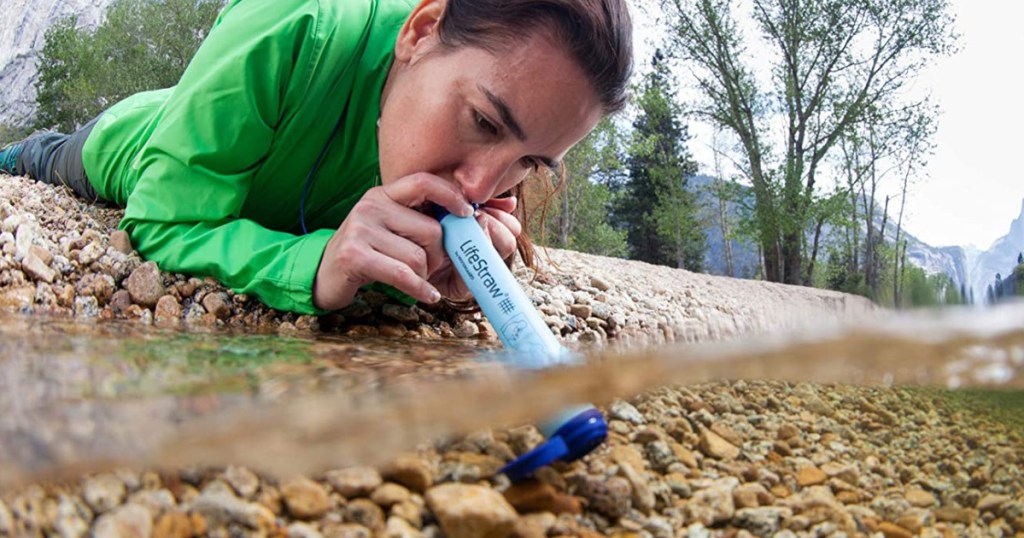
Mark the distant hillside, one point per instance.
(952, 261)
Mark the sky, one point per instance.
(973, 186)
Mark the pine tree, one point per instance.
(657, 210)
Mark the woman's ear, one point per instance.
(419, 33)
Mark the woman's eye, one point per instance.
(531, 164)
(484, 125)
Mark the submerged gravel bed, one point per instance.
(721, 459)
(724, 459)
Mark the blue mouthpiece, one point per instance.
(574, 439)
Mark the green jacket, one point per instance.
(211, 171)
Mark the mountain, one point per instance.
(1000, 258)
(23, 25)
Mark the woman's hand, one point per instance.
(495, 217)
(384, 238)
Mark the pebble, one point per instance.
(713, 445)
(468, 511)
(103, 492)
(411, 472)
(174, 524)
(304, 498)
(120, 241)
(920, 498)
(397, 527)
(354, 481)
(220, 509)
(810, 476)
(145, 285)
(532, 495)
(611, 497)
(242, 480)
(6, 520)
(625, 411)
(127, 520)
(365, 513)
(390, 494)
(713, 504)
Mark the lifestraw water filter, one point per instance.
(574, 432)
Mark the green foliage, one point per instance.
(831, 62)
(10, 133)
(657, 209)
(141, 45)
(582, 215)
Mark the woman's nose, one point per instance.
(480, 181)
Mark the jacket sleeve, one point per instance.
(196, 169)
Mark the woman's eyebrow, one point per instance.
(505, 112)
(510, 122)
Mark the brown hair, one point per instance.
(598, 34)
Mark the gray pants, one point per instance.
(56, 159)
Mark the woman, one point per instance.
(295, 156)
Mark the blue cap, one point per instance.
(574, 439)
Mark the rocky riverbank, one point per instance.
(63, 257)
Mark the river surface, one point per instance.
(78, 397)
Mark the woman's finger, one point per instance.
(417, 189)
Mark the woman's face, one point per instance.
(481, 119)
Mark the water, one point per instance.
(77, 397)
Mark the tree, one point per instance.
(581, 220)
(657, 209)
(141, 45)
(831, 61)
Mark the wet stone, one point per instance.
(120, 301)
(168, 310)
(535, 496)
(121, 242)
(397, 527)
(242, 480)
(6, 519)
(71, 520)
(301, 530)
(156, 501)
(626, 412)
(103, 492)
(145, 285)
(127, 520)
(37, 269)
(389, 494)
(466, 329)
(401, 313)
(218, 304)
(920, 498)
(366, 513)
(220, 509)
(304, 498)
(611, 498)
(347, 530)
(810, 476)
(467, 511)
(173, 525)
(354, 481)
(411, 472)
